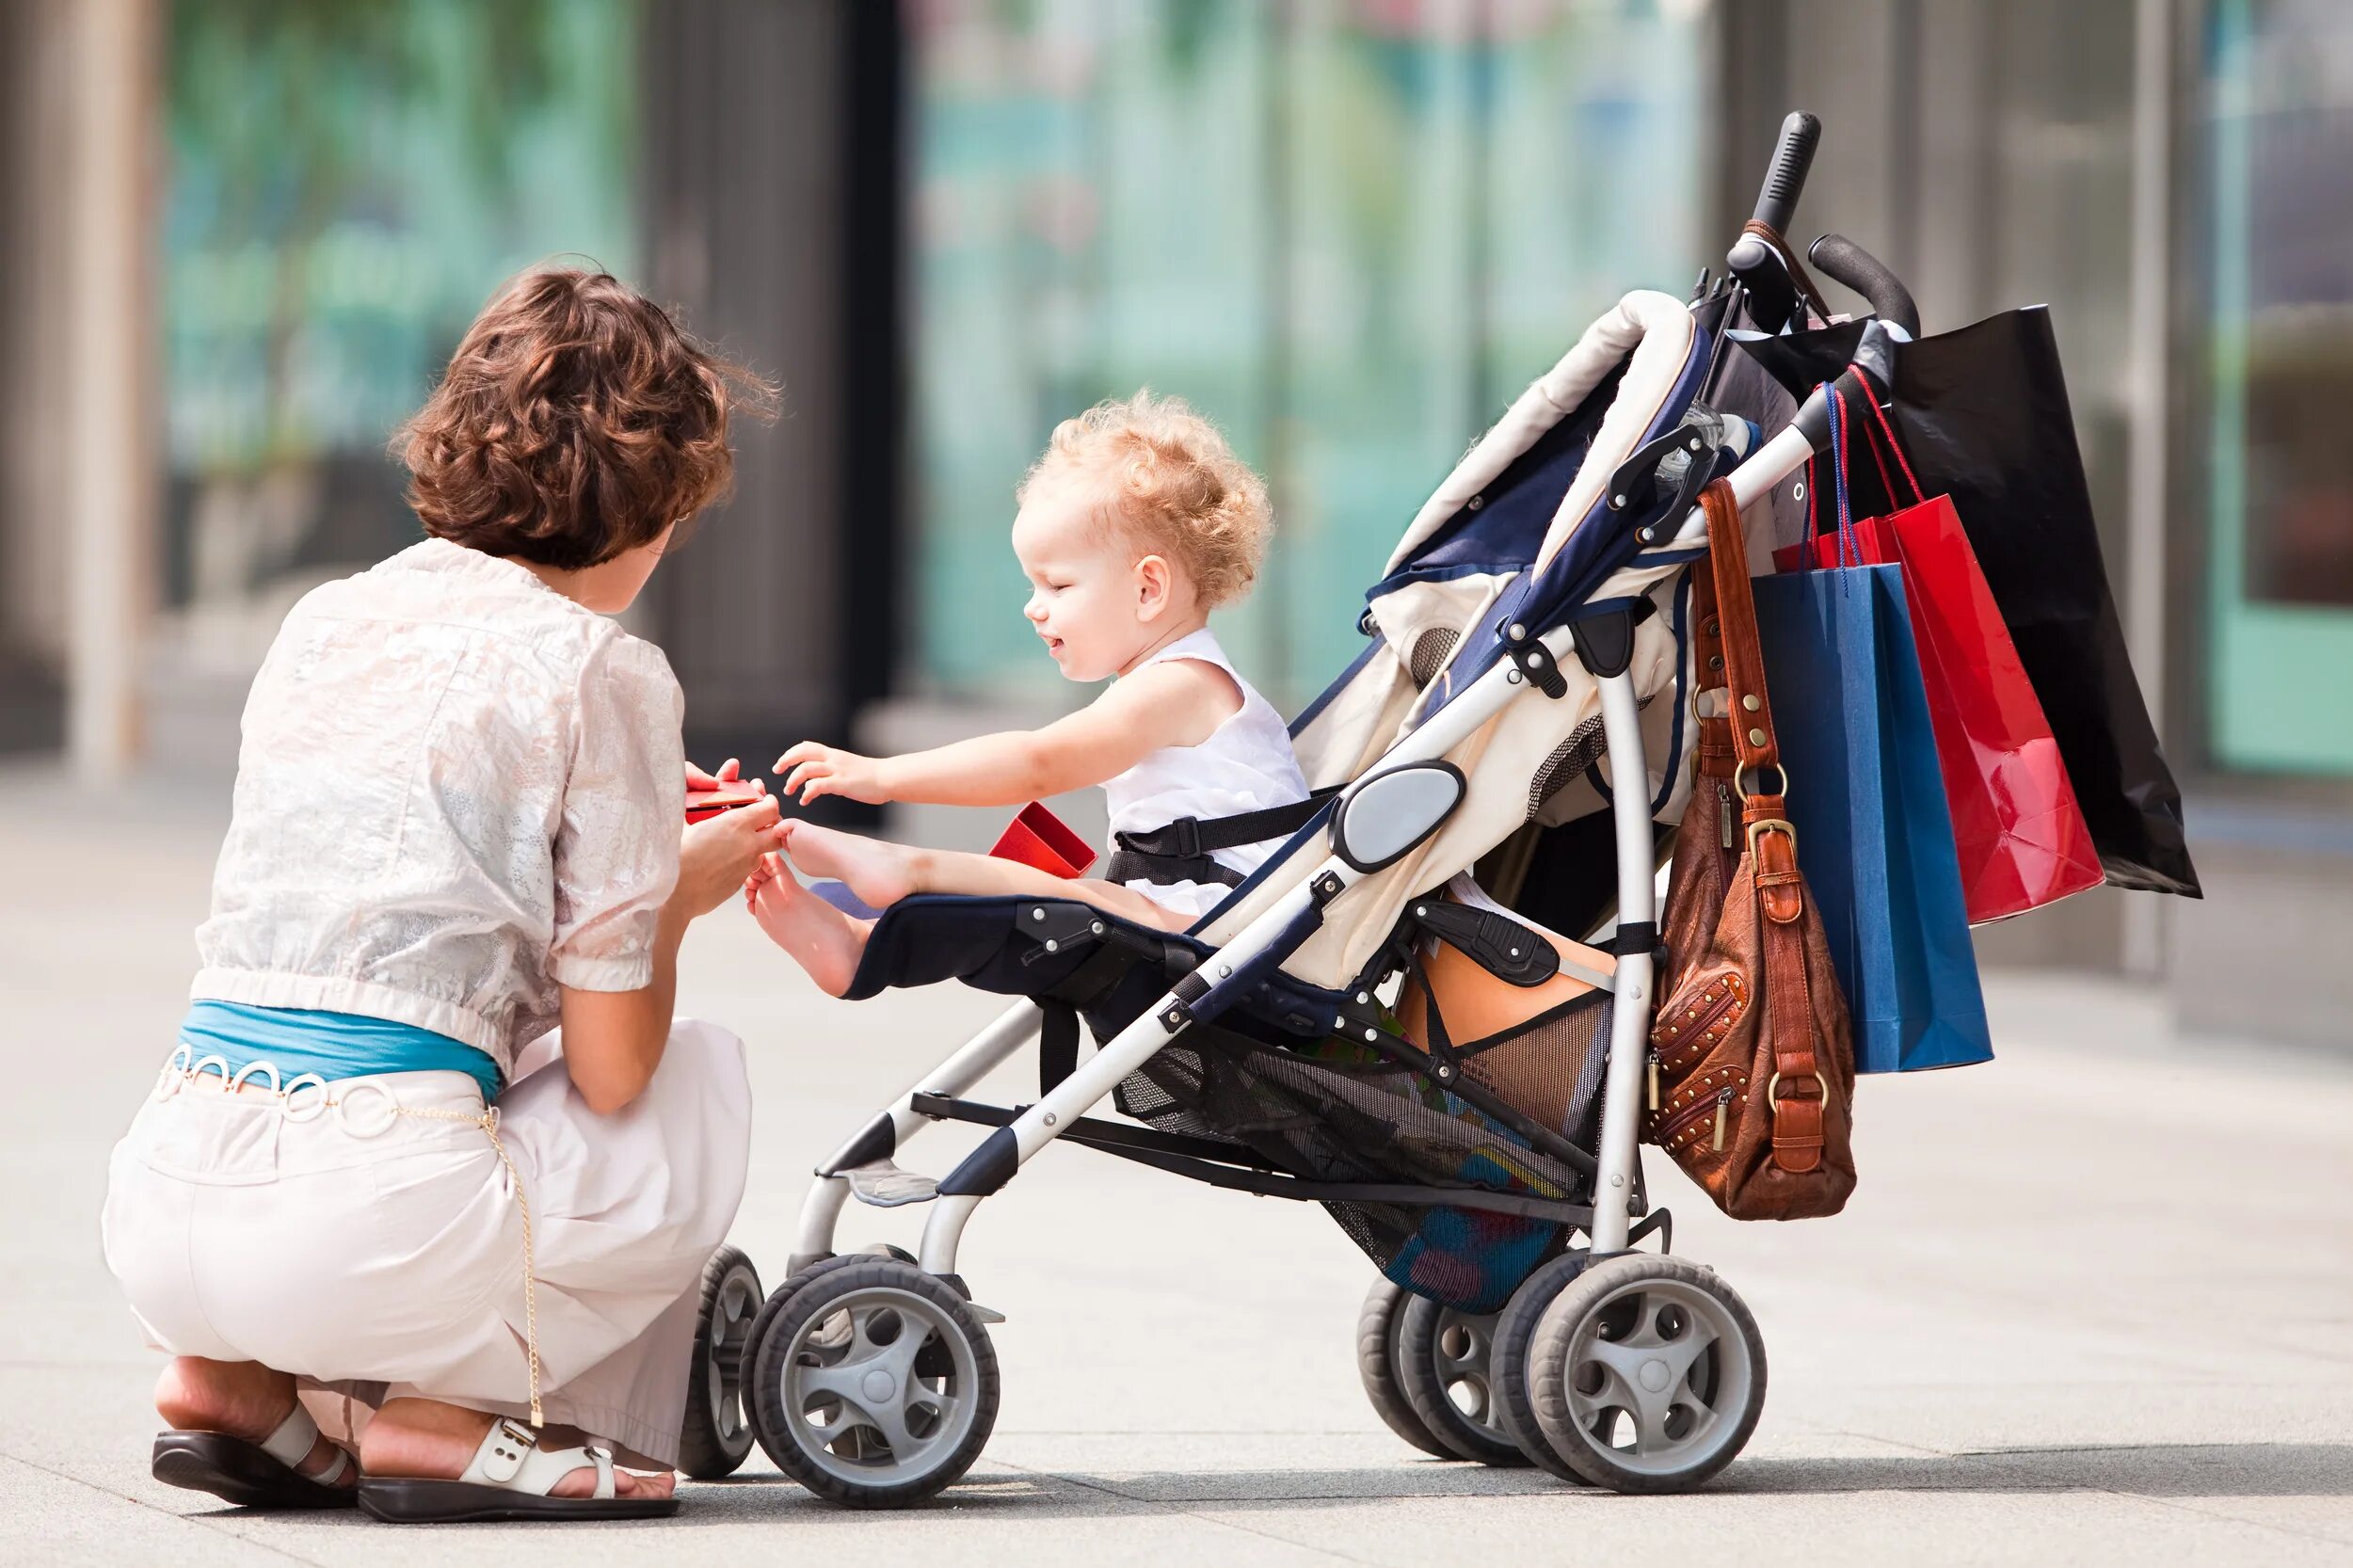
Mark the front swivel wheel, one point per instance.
(717, 1437)
(873, 1384)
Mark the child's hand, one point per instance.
(813, 769)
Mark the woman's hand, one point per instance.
(730, 774)
(813, 769)
(715, 857)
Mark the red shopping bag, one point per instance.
(2020, 835)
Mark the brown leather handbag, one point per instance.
(1751, 1060)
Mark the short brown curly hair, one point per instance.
(1176, 486)
(575, 422)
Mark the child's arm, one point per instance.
(1179, 703)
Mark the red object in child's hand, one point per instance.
(1038, 838)
(703, 804)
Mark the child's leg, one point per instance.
(883, 872)
(820, 939)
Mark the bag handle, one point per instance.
(1747, 702)
(1879, 442)
(1870, 394)
(1764, 815)
(1807, 292)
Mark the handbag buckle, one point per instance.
(1772, 825)
(1781, 776)
(1772, 1084)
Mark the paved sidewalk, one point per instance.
(2092, 1304)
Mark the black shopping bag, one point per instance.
(1983, 413)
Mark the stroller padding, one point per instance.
(998, 944)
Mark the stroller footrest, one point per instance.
(883, 1185)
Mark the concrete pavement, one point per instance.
(2092, 1301)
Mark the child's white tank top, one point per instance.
(1246, 765)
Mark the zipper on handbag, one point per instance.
(1653, 1078)
(1718, 1105)
(1723, 814)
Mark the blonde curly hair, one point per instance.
(1176, 486)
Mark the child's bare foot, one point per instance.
(764, 871)
(877, 871)
(820, 939)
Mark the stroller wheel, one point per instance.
(718, 1435)
(1647, 1373)
(871, 1382)
(1508, 1363)
(1377, 1367)
(1445, 1360)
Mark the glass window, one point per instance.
(1349, 232)
(2280, 139)
(347, 183)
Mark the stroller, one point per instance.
(1519, 702)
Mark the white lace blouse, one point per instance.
(456, 790)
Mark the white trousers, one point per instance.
(380, 1255)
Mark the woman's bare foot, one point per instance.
(427, 1438)
(878, 872)
(820, 939)
(242, 1398)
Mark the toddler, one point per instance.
(1136, 523)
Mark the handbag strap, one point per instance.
(1798, 275)
(1748, 704)
(1770, 848)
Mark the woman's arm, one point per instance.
(1174, 704)
(614, 1040)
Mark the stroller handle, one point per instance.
(1840, 258)
(1784, 176)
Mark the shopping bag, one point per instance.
(1983, 412)
(2018, 834)
(1867, 797)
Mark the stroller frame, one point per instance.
(858, 1341)
(1198, 997)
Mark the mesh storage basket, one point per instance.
(1339, 1111)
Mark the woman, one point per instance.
(457, 825)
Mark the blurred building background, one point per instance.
(241, 235)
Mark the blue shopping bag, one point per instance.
(1867, 796)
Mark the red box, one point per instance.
(703, 804)
(1038, 838)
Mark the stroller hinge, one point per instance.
(1537, 667)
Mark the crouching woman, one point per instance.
(376, 1172)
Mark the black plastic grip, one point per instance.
(1784, 176)
(1839, 257)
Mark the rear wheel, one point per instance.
(718, 1434)
(1445, 1360)
(1377, 1367)
(1648, 1373)
(1516, 1327)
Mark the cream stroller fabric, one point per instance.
(1424, 629)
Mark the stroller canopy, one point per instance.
(1521, 533)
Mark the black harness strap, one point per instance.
(1183, 850)
(1058, 1032)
